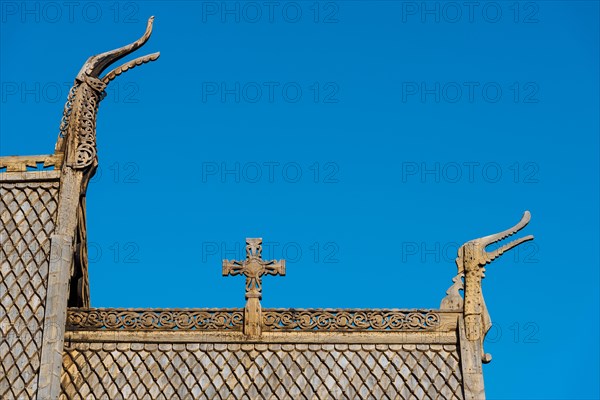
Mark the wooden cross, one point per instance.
(254, 268)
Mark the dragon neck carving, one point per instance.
(76, 148)
(471, 261)
(77, 137)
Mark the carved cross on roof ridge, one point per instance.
(254, 268)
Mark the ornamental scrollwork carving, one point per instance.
(155, 319)
(232, 319)
(349, 320)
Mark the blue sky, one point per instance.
(363, 141)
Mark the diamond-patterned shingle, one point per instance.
(250, 371)
(27, 214)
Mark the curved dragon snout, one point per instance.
(482, 243)
(97, 64)
(477, 247)
(491, 239)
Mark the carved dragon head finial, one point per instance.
(77, 136)
(75, 148)
(473, 253)
(471, 261)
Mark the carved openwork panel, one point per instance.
(155, 319)
(349, 320)
(273, 319)
(251, 370)
(28, 213)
